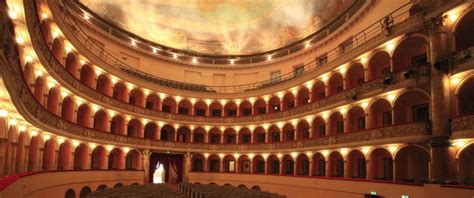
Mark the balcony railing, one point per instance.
(378, 29)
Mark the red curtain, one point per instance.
(169, 161)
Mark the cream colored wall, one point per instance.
(55, 184)
(296, 187)
(241, 74)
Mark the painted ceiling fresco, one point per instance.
(220, 27)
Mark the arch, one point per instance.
(303, 130)
(64, 155)
(133, 160)
(274, 104)
(84, 116)
(214, 136)
(289, 132)
(137, 97)
(466, 164)
(245, 137)
(319, 164)
(135, 128)
(40, 89)
(463, 30)
(303, 96)
(185, 107)
(101, 121)
(245, 108)
(46, 30)
(70, 193)
(167, 133)
(288, 165)
(116, 159)
(99, 158)
(336, 165)
(258, 164)
(101, 187)
(355, 76)
(199, 135)
(72, 64)
(379, 64)
(288, 101)
(273, 165)
(244, 164)
(302, 165)
(465, 97)
(200, 109)
(151, 131)
(229, 164)
(87, 76)
(380, 114)
(29, 74)
(357, 166)
(230, 136)
(81, 157)
(152, 102)
(256, 188)
(335, 84)
(274, 134)
(49, 154)
(117, 125)
(411, 106)
(230, 109)
(120, 92)
(52, 103)
(215, 109)
(197, 163)
(36, 143)
(213, 163)
(67, 108)
(318, 127)
(104, 85)
(381, 164)
(412, 164)
(242, 186)
(57, 49)
(183, 134)
(259, 135)
(118, 185)
(318, 91)
(356, 119)
(259, 107)
(335, 124)
(168, 105)
(411, 51)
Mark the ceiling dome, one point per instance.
(220, 27)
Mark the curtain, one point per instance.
(173, 161)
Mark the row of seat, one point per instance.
(215, 191)
(139, 191)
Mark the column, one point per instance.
(70, 165)
(39, 165)
(251, 137)
(236, 137)
(158, 132)
(105, 166)
(394, 178)
(310, 172)
(442, 161)
(26, 159)
(266, 166)
(295, 168)
(175, 135)
(280, 168)
(221, 165)
(3, 150)
(88, 161)
(191, 138)
(205, 165)
(328, 169)
(367, 169)
(13, 158)
(347, 173)
(251, 166)
(187, 166)
(146, 166)
(206, 137)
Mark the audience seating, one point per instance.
(215, 191)
(139, 191)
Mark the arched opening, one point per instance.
(255, 188)
(116, 159)
(70, 193)
(120, 92)
(259, 107)
(465, 97)
(357, 167)
(81, 157)
(245, 108)
(58, 49)
(380, 114)
(132, 160)
(40, 89)
(355, 76)
(152, 102)
(137, 97)
(101, 187)
(84, 116)
(355, 119)
(411, 52)
(167, 133)
(168, 105)
(104, 85)
(118, 185)
(258, 164)
(230, 109)
(229, 164)
(87, 76)
(185, 107)
(215, 109)
(319, 165)
(101, 121)
(67, 109)
(213, 163)
(303, 130)
(64, 155)
(244, 164)
(379, 65)
(288, 165)
(184, 134)
(319, 127)
(335, 84)
(166, 168)
(335, 124)
(117, 125)
(464, 32)
(135, 128)
(230, 136)
(289, 132)
(200, 108)
(303, 96)
(197, 163)
(274, 105)
(99, 158)
(288, 101)
(411, 106)
(242, 186)
(72, 64)
(198, 135)
(302, 165)
(274, 133)
(49, 154)
(318, 91)
(85, 191)
(53, 101)
(381, 165)
(214, 136)
(336, 165)
(259, 135)
(245, 137)
(151, 131)
(273, 165)
(466, 165)
(412, 165)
